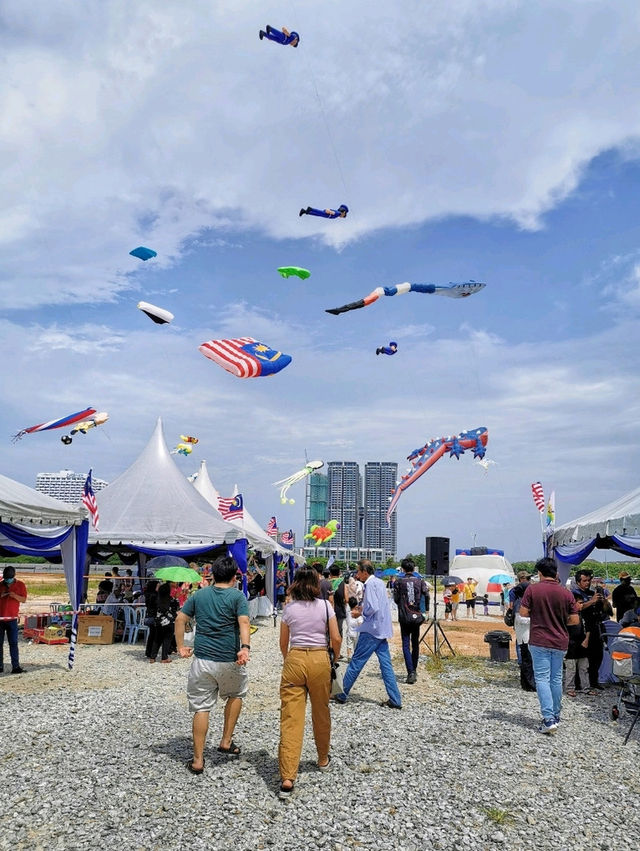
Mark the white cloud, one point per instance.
(158, 123)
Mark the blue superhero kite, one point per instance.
(340, 213)
(391, 349)
(280, 36)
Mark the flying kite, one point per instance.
(296, 477)
(158, 314)
(340, 213)
(60, 423)
(186, 438)
(143, 253)
(427, 455)
(84, 426)
(283, 36)
(322, 534)
(452, 290)
(484, 463)
(391, 349)
(182, 449)
(245, 357)
(288, 271)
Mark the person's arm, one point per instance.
(284, 639)
(330, 212)
(524, 612)
(181, 622)
(18, 597)
(573, 620)
(286, 32)
(245, 635)
(334, 637)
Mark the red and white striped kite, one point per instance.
(538, 496)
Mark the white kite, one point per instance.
(296, 477)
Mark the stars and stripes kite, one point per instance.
(245, 357)
(538, 496)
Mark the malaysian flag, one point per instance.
(231, 508)
(272, 527)
(538, 496)
(89, 499)
(286, 539)
(245, 357)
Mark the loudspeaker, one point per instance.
(437, 556)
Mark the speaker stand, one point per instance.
(439, 636)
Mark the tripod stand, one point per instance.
(439, 635)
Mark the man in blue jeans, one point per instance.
(553, 612)
(12, 593)
(374, 631)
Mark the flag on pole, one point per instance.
(551, 512)
(89, 500)
(330, 561)
(272, 527)
(286, 539)
(231, 508)
(538, 496)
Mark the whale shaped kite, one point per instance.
(452, 290)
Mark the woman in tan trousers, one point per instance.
(306, 670)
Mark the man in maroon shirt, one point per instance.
(12, 593)
(552, 611)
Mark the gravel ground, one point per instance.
(97, 756)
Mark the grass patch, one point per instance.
(57, 588)
(498, 816)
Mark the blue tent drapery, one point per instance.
(577, 552)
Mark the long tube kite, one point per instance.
(70, 419)
(296, 477)
(452, 291)
(426, 456)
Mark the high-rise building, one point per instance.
(316, 500)
(66, 485)
(345, 501)
(379, 481)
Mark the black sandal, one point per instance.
(232, 750)
(195, 770)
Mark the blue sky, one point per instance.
(487, 139)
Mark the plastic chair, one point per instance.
(129, 624)
(139, 624)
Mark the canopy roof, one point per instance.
(152, 506)
(620, 517)
(21, 505)
(250, 528)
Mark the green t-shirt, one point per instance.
(216, 612)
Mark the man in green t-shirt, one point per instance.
(221, 651)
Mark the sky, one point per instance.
(494, 140)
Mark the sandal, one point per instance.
(195, 770)
(285, 791)
(232, 750)
(593, 692)
(571, 693)
(327, 765)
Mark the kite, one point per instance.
(340, 213)
(84, 426)
(427, 455)
(143, 253)
(288, 271)
(322, 534)
(283, 36)
(186, 438)
(452, 290)
(182, 449)
(296, 477)
(158, 314)
(484, 463)
(60, 423)
(391, 349)
(245, 357)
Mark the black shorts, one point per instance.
(471, 604)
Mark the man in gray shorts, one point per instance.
(221, 651)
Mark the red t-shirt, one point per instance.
(9, 607)
(549, 607)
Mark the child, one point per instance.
(354, 618)
(485, 604)
(576, 662)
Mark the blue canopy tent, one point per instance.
(35, 524)
(615, 526)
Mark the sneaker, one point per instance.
(18, 670)
(339, 698)
(411, 678)
(390, 705)
(548, 726)
(262, 34)
(302, 212)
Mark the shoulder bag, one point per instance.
(336, 674)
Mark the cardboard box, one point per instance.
(95, 629)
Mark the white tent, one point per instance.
(615, 526)
(151, 508)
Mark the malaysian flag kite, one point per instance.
(89, 499)
(231, 508)
(59, 423)
(245, 357)
(538, 496)
(286, 539)
(272, 527)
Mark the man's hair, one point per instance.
(116, 571)
(583, 571)
(9, 572)
(317, 566)
(408, 565)
(547, 567)
(129, 572)
(306, 584)
(365, 564)
(334, 570)
(224, 569)
(523, 575)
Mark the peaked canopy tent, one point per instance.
(271, 551)
(615, 526)
(151, 509)
(35, 524)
